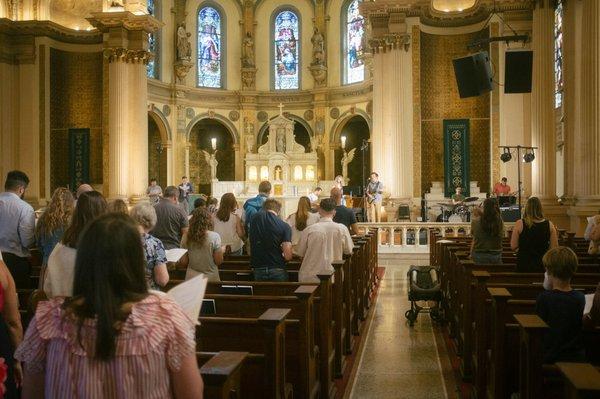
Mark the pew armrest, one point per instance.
(581, 377)
(530, 322)
(221, 367)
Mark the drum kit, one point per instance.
(457, 213)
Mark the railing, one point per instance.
(413, 237)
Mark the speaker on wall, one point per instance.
(517, 71)
(473, 74)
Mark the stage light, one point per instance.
(505, 156)
(528, 157)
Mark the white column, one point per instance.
(118, 127)
(138, 131)
(543, 133)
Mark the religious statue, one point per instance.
(211, 160)
(248, 51)
(278, 172)
(318, 42)
(280, 147)
(346, 159)
(184, 49)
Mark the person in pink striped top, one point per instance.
(112, 339)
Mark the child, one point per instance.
(561, 308)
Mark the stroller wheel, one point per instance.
(411, 317)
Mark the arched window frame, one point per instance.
(223, 17)
(344, 44)
(275, 13)
(154, 65)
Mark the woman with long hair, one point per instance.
(339, 183)
(11, 333)
(205, 252)
(112, 338)
(487, 231)
(52, 224)
(61, 263)
(300, 219)
(531, 237)
(119, 206)
(228, 224)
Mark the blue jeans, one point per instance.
(482, 258)
(270, 274)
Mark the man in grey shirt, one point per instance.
(17, 225)
(171, 220)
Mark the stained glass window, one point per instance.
(152, 67)
(209, 48)
(558, 54)
(286, 65)
(355, 29)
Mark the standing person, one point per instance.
(83, 188)
(253, 205)
(592, 234)
(53, 223)
(171, 220)
(157, 274)
(11, 332)
(343, 215)
(17, 227)
(531, 237)
(58, 280)
(374, 197)
(314, 196)
(322, 243)
(458, 197)
(113, 338)
(487, 231)
(271, 243)
(154, 191)
(501, 188)
(339, 183)
(302, 218)
(205, 252)
(213, 205)
(119, 206)
(185, 189)
(228, 224)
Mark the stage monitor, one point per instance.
(517, 71)
(473, 74)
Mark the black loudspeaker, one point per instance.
(517, 71)
(473, 74)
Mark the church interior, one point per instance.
(500, 98)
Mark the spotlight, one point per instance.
(505, 156)
(529, 157)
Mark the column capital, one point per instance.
(115, 54)
(105, 21)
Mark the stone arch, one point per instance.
(162, 123)
(293, 117)
(336, 130)
(226, 122)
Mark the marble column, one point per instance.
(543, 134)
(138, 130)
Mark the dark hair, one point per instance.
(302, 213)
(153, 179)
(118, 205)
(561, 262)
(226, 207)
(200, 223)
(109, 272)
(374, 173)
(89, 206)
(272, 204)
(327, 204)
(318, 189)
(15, 179)
(264, 187)
(198, 202)
(504, 179)
(491, 221)
(171, 191)
(533, 211)
(184, 177)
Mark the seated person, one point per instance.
(561, 308)
(458, 197)
(314, 196)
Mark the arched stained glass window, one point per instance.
(558, 54)
(354, 67)
(209, 48)
(286, 34)
(152, 66)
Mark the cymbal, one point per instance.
(471, 199)
(446, 204)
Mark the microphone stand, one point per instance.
(363, 148)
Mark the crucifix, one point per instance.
(280, 106)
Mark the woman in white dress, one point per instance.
(228, 224)
(300, 219)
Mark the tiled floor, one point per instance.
(398, 361)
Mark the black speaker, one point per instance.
(473, 74)
(517, 71)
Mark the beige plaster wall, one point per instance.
(166, 38)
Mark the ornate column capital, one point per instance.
(115, 54)
(105, 21)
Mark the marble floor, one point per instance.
(398, 361)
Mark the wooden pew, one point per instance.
(582, 380)
(221, 374)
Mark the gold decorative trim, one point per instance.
(129, 56)
(126, 19)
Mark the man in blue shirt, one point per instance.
(17, 225)
(270, 243)
(255, 204)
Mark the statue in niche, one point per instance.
(211, 160)
(184, 49)
(278, 172)
(280, 145)
(346, 159)
(248, 51)
(318, 42)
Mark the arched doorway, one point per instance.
(300, 132)
(200, 139)
(356, 129)
(157, 154)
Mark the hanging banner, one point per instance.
(79, 157)
(456, 156)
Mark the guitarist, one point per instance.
(374, 197)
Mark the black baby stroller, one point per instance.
(423, 285)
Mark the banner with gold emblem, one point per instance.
(79, 157)
(456, 156)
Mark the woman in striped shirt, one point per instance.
(112, 339)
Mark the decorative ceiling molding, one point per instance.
(49, 29)
(126, 19)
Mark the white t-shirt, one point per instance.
(227, 231)
(319, 245)
(60, 272)
(313, 197)
(291, 220)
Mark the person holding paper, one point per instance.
(205, 252)
(112, 338)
